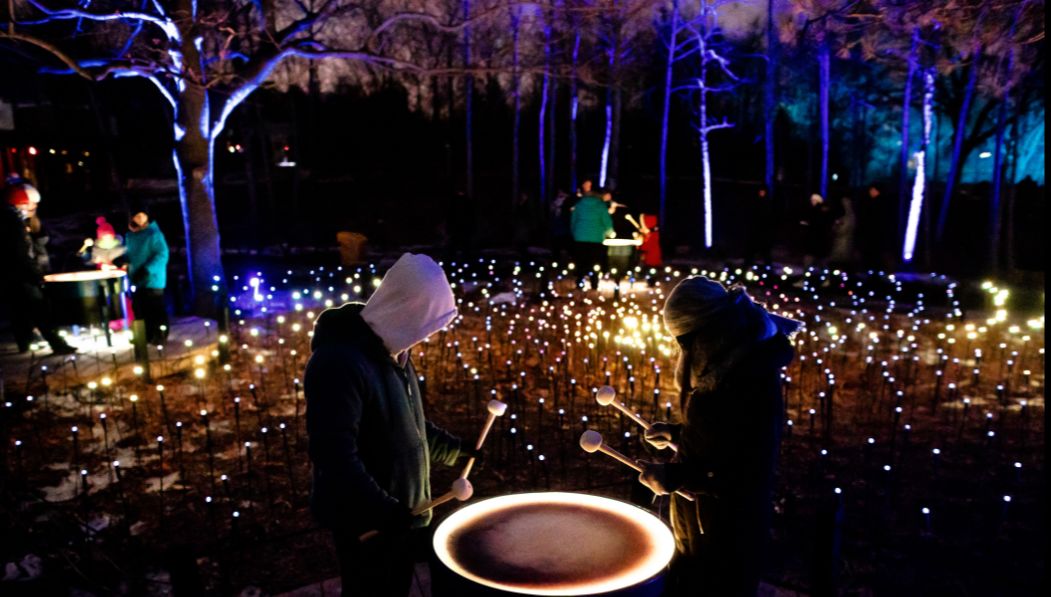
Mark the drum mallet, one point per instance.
(462, 490)
(607, 396)
(591, 442)
(496, 409)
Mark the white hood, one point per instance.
(413, 301)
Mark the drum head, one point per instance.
(554, 544)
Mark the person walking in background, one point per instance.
(22, 273)
(147, 254)
(590, 224)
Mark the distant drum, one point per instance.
(620, 253)
(551, 544)
(86, 298)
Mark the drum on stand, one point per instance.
(93, 297)
(551, 543)
(620, 253)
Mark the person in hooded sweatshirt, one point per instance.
(732, 352)
(369, 442)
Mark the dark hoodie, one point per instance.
(728, 449)
(370, 445)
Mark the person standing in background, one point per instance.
(590, 224)
(147, 254)
(651, 241)
(21, 271)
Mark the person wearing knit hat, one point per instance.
(369, 442)
(732, 351)
(22, 273)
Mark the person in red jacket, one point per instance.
(651, 241)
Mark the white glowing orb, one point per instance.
(560, 533)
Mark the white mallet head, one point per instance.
(462, 489)
(606, 395)
(591, 441)
(497, 408)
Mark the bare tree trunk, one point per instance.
(193, 158)
(906, 107)
(919, 184)
(824, 67)
(542, 116)
(106, 134)
(517, 119)
(958, 135)
(666, 109)
(769, 101)
(468, 104)
(574, 104)
(995, 219)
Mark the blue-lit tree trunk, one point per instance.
(919, 183)
(958, 135)
(608, 159)
(824, 68)
(516, 95)
(770, 101)
(574, 104)
(545, 91)
(906, 108)
(710, 60)
(673, 35)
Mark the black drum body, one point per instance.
(86, 298)
(551, 543)
(620, 253)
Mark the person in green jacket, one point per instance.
(147, 255)
(370, 444)
(590, 224)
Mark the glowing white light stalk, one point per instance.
(916, 205)
(605, 145)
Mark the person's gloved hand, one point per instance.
(655, 476)
(660, 434)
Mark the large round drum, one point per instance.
(620, 253)
(551, 544)
(88, 297)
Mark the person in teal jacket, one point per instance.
(147, 255)
(591, 224)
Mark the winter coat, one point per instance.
(370, 445)
(147, 254)
(728, 449)
(590, 221)
(651, 243)
(16, 252)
